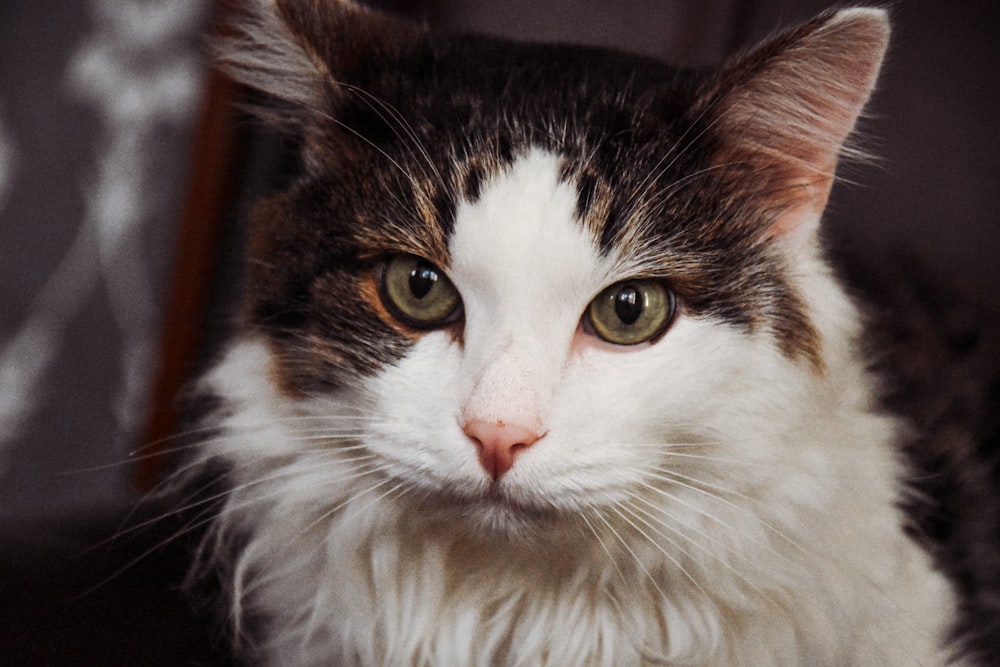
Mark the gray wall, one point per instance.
(96, 104)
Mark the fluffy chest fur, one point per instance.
(543, 363)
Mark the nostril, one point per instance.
(499, 442)
(518, 446)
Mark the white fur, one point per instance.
(703, 500)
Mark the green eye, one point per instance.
(418, 293)
(631, 312)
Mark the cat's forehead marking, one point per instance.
(526, 268)
(520, 239)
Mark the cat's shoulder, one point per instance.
(933, 340)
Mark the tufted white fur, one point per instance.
(703, 500)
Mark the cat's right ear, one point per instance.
(303, 55)
(783, 111)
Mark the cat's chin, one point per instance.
(492, 513)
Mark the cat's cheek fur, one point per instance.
(415, 428)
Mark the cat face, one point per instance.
(591, 421)
(553, 279)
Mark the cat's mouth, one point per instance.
(495, 509)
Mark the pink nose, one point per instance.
(499, 442)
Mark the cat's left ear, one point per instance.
(784, 111)
(305, 56)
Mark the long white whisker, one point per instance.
(206, 509)
(339, 506)
(286, 472)
(604, 546)
(708, 515)
(673, 155)
(673, 477)
(372, 144)
(686, 538)
(631, 552)
(400, 120)
(659, 547)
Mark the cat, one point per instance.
(544, 361)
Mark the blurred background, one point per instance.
(125, 172)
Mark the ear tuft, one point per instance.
(302, 53)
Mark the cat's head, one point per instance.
(554, 278)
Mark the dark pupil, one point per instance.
(628, 304)
(422, 279)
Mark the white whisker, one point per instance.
(400, 121)
(692, 484)
(628, 548)
(666, 554)
(673, 528)
(604, 547)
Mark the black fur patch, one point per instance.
(940, 357)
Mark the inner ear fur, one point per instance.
(784, 111)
